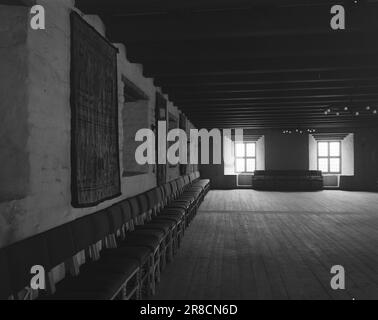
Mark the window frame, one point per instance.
(244, 143)
(329, 157)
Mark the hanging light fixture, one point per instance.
(298, 131)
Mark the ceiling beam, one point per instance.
(282, 124)
(351, 126)
(309, 77)
(280, 116)
(309, 92)
(256, 21)
(271, 87)
(304, 103)
(333, 44)
(289, 99)
(280, 112)
(264, 66)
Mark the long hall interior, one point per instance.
(188, 150)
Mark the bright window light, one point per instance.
(323, 165)
(251, 149)
(334, 149)
(329, 157)
(334, 165)
(323, 149)
(240, 165)
(245, 157)
(239, 150)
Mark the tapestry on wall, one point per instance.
(94, 116)
(182, 126)
(160, 115)
(173, 123)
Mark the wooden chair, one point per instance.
(22, 256)
(88, 276)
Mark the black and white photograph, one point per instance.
(188, 155)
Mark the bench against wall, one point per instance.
(287, 180)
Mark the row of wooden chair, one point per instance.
(116, 253)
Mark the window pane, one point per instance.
(323, 165)
(323, 149)
(334, 165)
(240, 150)
(251, 165)
(240, 165)
(334, 149)
(251, 149)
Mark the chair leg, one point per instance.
(140, 285)
(180, 234)
(151, 280)
(170, 247)
(157, 265)
(175, 241)
(163, 255)
(146, 279)
(161, 251)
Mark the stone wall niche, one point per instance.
(135, 116)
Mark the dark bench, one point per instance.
(287, 180)
(116, 253)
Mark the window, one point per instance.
(245, 157)
(329, 156)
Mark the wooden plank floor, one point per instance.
(246, 244)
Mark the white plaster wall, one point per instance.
(260, 154)
(347, 155)
(229, 152)
(14, 157)
(47, 90)
(313, 153)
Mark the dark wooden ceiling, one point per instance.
(253, 63)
